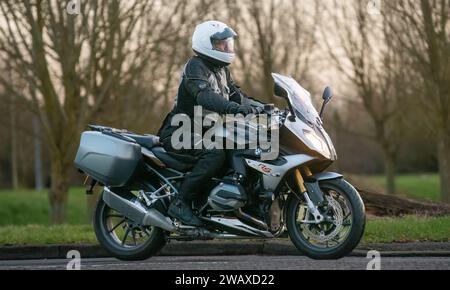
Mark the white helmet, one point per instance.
(214, 39)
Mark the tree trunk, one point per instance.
(38, 182)
(14, 162)
(14, 158)
(443, 151)
(389, 172)
(59, 190)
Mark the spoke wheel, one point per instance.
(123, 238)
(125, 232)
(336, 227)
(342, 228)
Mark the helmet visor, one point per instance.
(224, 45)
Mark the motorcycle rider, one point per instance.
(206, 81)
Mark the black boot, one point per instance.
(180, 210)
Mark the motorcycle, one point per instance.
(322, 213)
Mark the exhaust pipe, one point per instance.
(136, 212)
(260, 224)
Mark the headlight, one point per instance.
(317, 143)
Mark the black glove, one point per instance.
(249, 110)
(245, 110)
(235, 108)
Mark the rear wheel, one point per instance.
(342, 230)
(123, 238)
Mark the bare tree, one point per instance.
(146, 100)
(365, 56)
(422, 30)
(275, 36)
(77, 63)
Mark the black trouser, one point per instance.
(210, 164)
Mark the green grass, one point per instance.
(418, 186)
(407, 229)
(383, 230)
(24, 218)
(47, 235)
(26, 207)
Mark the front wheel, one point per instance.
(342, 229)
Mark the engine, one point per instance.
(227, 197)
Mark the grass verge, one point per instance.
(418, 186)
(25, 207)
(47, 235)
(383, 230)
(424, 187)
(408, 229)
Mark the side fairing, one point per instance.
(274, 174)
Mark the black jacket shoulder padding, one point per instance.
(196, 68)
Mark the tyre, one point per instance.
(342, 230)
(124, 239)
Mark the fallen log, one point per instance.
(387, 205)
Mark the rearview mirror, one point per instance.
(327, 94)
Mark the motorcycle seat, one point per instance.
(146, 141)
(179, 162)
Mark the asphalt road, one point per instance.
(236, 263)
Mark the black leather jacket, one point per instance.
(207, 84)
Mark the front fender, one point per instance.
(327, 176)
(312, 184)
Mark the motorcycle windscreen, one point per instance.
(308, 126)
(300, 99)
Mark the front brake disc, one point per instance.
(314, 232)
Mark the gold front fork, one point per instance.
(299, 178)
(318, 217)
